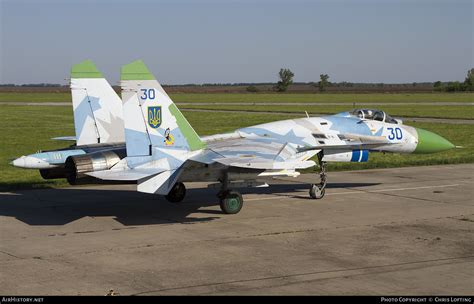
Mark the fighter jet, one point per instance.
(164, 151)
(98, 122)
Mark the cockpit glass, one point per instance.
(379, 115)
(369, 114)
(390, 119)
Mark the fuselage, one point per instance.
(312, 131)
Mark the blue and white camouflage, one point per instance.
(162, 150)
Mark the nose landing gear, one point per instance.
(317, 191)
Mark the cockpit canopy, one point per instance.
(372, 114)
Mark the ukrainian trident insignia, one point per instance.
(154, 117)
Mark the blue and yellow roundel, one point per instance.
(154, 117)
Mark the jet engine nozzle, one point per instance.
(78, 165)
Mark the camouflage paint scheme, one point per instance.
(157, 163)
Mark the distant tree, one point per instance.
(438, 86)
(469, 81)
(414, 84)
(286, 79)
(323, 82)
(453, 86)
(252, 89)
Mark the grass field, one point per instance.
(266, 97)
(24, 130)
(461, 112)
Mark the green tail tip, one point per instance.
(85, 69)
(136, 70)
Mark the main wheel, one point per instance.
(316, 192)
(177, 193)
(231, 202)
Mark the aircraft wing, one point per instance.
(267, 153)
(351, 142)
(256, 153)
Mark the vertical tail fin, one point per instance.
(151, 118)
(97, 108)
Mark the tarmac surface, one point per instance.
(376, 232)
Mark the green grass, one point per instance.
(267, 97)
(34, 97)
(461, 112)
(24, 130)
(328, 97)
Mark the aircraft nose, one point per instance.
(429, 142)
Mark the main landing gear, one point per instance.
(177, 193)
(231, 201)
(317, 191)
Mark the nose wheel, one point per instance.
(317, 191)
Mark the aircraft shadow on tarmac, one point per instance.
(130, 208)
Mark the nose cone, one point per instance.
(429, 142)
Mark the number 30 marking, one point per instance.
(148, 94)
(395, 133)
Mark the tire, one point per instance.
(315, 192)
(177, 193)
(232, 202)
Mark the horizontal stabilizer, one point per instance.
(65, 138)
(125, 175)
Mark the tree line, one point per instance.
(286, 76)
(456, 86)
(286, 79)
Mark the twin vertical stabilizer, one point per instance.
(97, 108)
(152, 120)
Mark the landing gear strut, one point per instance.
(230, 201)
(317, 191)
(177, 193)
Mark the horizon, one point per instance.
(47, 84)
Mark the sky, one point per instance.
(199, 42)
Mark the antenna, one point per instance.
(307, 115)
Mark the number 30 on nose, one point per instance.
(395, 133)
